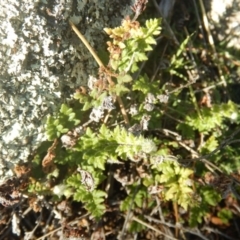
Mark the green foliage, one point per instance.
(134, 199)
(133, 42)
(136, 227)
(210, 196)
(39, 188)
(178, 61)
(61, 123)
(177, 182)
(143, 85)
(210, 118)
(210, 145)
(93, 200)
(162, 154)
(197, 213)
(225, 215)
(98, 148)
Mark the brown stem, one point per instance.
(101, 65)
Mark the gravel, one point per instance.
(42, 62)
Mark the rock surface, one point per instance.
(42, 61)
(225, 18)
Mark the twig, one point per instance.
(211, 41)
(192, 74)
(127, 218)
(175, 208)
(9, 230)
(166, 24)
(161, 216)
(91, 50)
(207, 28)
(170, 116)
(236, 226)
(221, 146)
(199, 22)
(237, 208)
(137, 74)
(101, 65)
(49, 207)
(208, 88)
(84, 40)
(151, 227)
(151, 219)
(138, 7)
(194, 153)
(57, 229)
(159, 209)
(123, 110)
(160, 62)
(29, 235)
(219, 232)
(106, 117)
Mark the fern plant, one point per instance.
(119, 121)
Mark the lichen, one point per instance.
(43, 62)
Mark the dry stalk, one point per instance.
(101, 65)
(211, 41)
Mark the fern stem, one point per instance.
(88, 46)
(101, 65)
(195, 101)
